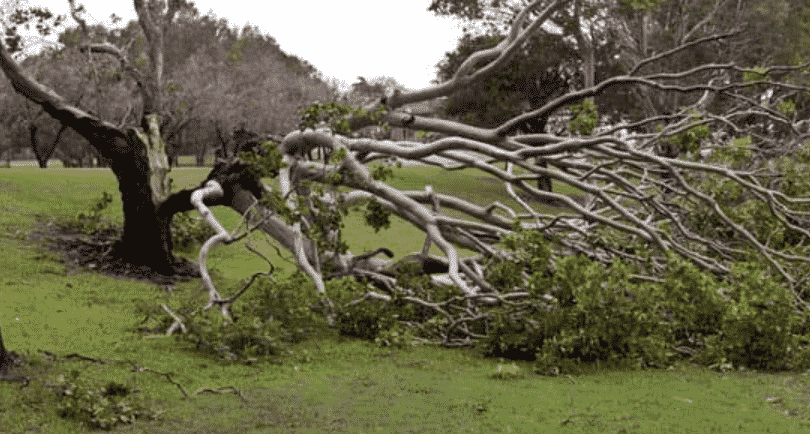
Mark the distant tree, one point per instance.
(222, 84)
(525, 83)
(577, 33)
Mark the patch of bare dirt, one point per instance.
(94, 252)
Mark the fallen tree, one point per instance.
(640, 206)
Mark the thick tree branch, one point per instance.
(100, 133)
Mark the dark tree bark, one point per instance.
(3, 354)
(5, 357)
(7, 360)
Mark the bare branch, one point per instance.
(107, 48)
(212, 190)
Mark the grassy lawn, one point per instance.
(331, 384)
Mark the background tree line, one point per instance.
(591, 40)
(219, 78)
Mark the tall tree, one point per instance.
(525, 83)
(137, 155)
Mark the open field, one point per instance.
(330, 384)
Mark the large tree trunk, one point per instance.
(143, 183)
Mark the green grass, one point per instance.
(331, 384)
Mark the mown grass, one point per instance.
(329, 384)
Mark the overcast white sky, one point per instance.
(342, 38)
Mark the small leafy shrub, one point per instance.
(104, 407)
(532, 254)
(583, 310)
(241, 340)
(800, 359)
(189, 232)
(521, 334)
(377, 216)
(93, 220)
(385, 322)
(607, 318)
(689, 304)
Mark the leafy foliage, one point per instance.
(335, 115)
(582, 310)
(189, 232)
(584, 118)
(599, 313)
(93, 220)
(377, 216)
(389, 323)
(269, 318)
(102, 407)
(689, 140)
(331, 112)
(757, 323)
(264, 161)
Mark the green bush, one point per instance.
(593, 312)
(385, 322)
(607, 318)
(756, 329)
(689, 303)
(102, 407)
(585, 118)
